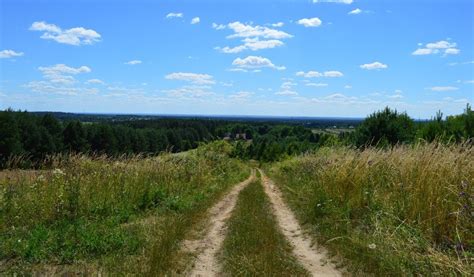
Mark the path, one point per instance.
(314, 260)
(206, 262)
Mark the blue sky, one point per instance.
(289, 58)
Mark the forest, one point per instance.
(35, 136)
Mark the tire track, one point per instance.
(315, 261)
(206, 248)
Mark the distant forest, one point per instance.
(34, 136)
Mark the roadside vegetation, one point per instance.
(123, 214)
(254, 245)
(407, 210)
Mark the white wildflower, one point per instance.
(372, 246)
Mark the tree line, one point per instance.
(35, 136)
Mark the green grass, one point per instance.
(110, 214)
(254, 246)
(404, 211)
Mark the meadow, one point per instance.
(406, 210)
(94, 214)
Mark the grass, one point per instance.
(404, 211)
(109, 214)
(254, 246)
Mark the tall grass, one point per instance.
(406, 210)
(90, 208)
(254, 246)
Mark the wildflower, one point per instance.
(372, 246)
(58, 171)
(19, 240)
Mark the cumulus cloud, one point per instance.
(95, 81)
(310, 22)
(133, 62)
(278, 24)
(244, 31)
(74, 36)
(6, 54)
(334, 1)
(286, 88)
(241, 95)
(194, 78)
(59, 80)
(255, 62)
(373, 66)
(441, 47)
(316, 85)
(316, 74)
(195, 20)
(253, 44)
(355, 11)
(174, 15)
(443, 88)
(253, 37)
(189, 92)
(218, 26)
(61, 73)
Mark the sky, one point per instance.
(334, 58)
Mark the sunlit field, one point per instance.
(405, 210)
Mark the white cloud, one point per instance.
(254, 38)
(133, 62)
(6, 54)
(74, 36)
(374, 65)
(278, 24)
(253, 44)
(61, 73)
(48, 87)
(244, 31)
(469, 82)
(347, 86)
(310, 22)
(195, 20)
(286, 92)
(95, 81)
(255, 62)
(218, 26)
(356, 11)
(174, 15)
(286, 88)
(241, 95)
(424, 51)
(443, 88)
(189, 92)
(316, 74)
(316, 85)
(194, 78)
(442, 46)
(452, 51)
(334, 1)
(332, 74)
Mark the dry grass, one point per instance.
(407, 210)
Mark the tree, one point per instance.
(74, 137)
(9, 136)
(385, 127)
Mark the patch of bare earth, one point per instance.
(207, 246)
(313, 259)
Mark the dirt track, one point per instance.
(206, 263)
(313, 259)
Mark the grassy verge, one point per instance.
(109, 215)
(405, 211)
(254, 246)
